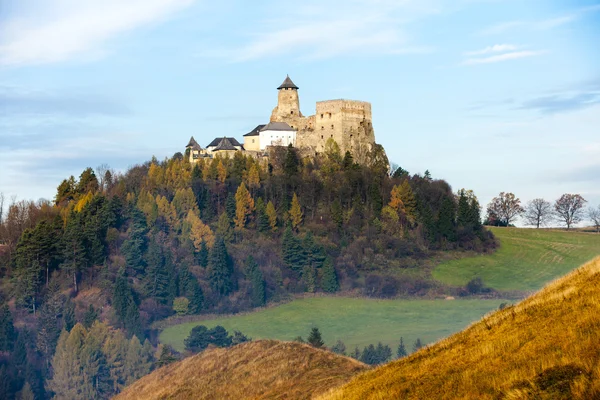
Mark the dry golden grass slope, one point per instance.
(546, 347)
(264, 369)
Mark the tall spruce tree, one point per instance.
(401, 351)
(202, 255)
(329, 280)
(220, 268)
(314, 338)
(446, 219)
(293, 254)
(7, 329)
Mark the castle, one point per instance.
(348, 122)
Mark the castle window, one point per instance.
(322, 127)
(252, 140)
(331, 135)
(321, 115)
(350, 135)
(322, 137)
(331, 126)
(329, 115)
(292, 112)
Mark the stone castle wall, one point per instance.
(348, 122)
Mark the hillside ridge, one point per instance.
(545, 347)
(262, 369)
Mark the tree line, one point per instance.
(568, 210)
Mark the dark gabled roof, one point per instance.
(287, 83)
(193, 144)
(277, 126)
(255, 131)
(225, 144)
(218, 140)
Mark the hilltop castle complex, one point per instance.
(348, 122)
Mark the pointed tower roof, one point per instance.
(193, 144)
(287, 84)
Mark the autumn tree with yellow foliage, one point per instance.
(296, 214)
(198, 231)
(244, 205)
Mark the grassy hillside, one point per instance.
(358, 322)
(546, 347)
(526, 260)
(256, 370)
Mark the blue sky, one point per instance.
(491, 95)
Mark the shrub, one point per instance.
(181, 305)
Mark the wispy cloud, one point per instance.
(541, 24)
(315, 31)
(45, 31)
(561, 102)
(513, 55)
(497, 48)
(17, 101)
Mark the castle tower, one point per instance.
(288, 103)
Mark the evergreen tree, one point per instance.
(202, 256)
(94, 367)
(262, 220)
(255, 275)
(291, 162)
(329, 280)
(417, 344)
(7, 329)
(445, 223)
(348, 161)
(401, 352)
(339, 348)
(309, 276)
(69, 320)
(196, 296)
(159, 273)
(166, 356)
(90, 317)
(337, 213)
(369, 355)
(314, 338)
(220, 268)
(137, 361)
(463, 219)
(224, 228)
(293, 254)
(134, 246)
(313, 253)
(356, 353)
(384, 353)
(230, 206)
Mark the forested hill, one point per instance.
(222, 235)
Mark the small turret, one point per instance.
(288, 84)
(288, 103)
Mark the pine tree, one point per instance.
(417, 344)
(69, 320)
(272, 216)
(159, 274)
(220, 269)
(401, 352)
(329, 280)
(314, 338)
(202, 257)
(244, 205)
(309, 276)
(90, 316)
(339, 348)
(230, 206)
(445, 223)
(134, 246)
(337, 213)
(224, 228)
(291, 162)
(293, 254)
(356, 353)
(166, 356)
(296, 214)
(7, 329)
(262, 220)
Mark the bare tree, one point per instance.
(594, 216)
(506, 207)
(101, 171)
(1, 208)
(538, 212)
(569, 209)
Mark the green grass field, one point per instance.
(358, 322)
(526, 260)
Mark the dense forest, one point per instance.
(84, 276)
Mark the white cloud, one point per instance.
(323, 29)
(58, 30)
(542, 24)
(497, 48)
(502, 57)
